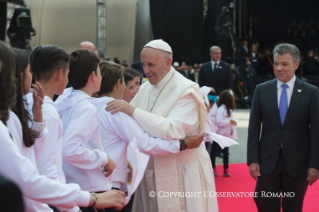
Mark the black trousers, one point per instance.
(268, 186)
(91, 209)
(215, 150)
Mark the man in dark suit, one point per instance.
(216, 73)
(10, 196)
(283, 155)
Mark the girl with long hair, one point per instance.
(226, 124)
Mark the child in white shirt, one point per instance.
(84, 159)
(24, 136)
(226, 124)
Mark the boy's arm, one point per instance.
(128, 129)
(81, 129)
(20, 170)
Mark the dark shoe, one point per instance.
(215, 173)
(226, 173)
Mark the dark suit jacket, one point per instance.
(299, 134)
(10, 196)
(220, 79)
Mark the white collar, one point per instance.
(290, 83)
(215, 62)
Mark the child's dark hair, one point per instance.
(22, 62)
(111, 73)
(127, 77)
(226, 97)
(82, 63)
(134, 73)
(7, 85)
(46, 60)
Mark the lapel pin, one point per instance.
(220, 67)
(299, 90)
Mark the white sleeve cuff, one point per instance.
(40, 127)
(84, 199)
(105, 159)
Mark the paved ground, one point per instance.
(237, 153)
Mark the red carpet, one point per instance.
(241, 181)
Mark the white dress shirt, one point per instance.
(289, 89)
(50, 162)
(21, 171)
(213, 64)
(82, 150)
(118, 130)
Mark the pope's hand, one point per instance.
(109, 199)
(313, 175)
(254, 170)
(194, 141)
(109, 167)
(120, 106)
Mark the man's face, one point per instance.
(285, 67)
(216, 54)
(154, 65)
(196, 67)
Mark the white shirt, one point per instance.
(222, 121)
(21, 171)
(50, 162)
(118, 130)
(213, 64)
(82, 150)
(15, 129)
(289, 89)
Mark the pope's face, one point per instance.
(285, 67)
(154, 65)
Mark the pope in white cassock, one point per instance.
(170, 106)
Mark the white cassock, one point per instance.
(173, 109)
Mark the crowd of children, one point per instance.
(63, 153)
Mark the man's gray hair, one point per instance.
(166, 54)
(287, 48)
(214, 47)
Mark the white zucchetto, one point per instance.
(159, 44)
